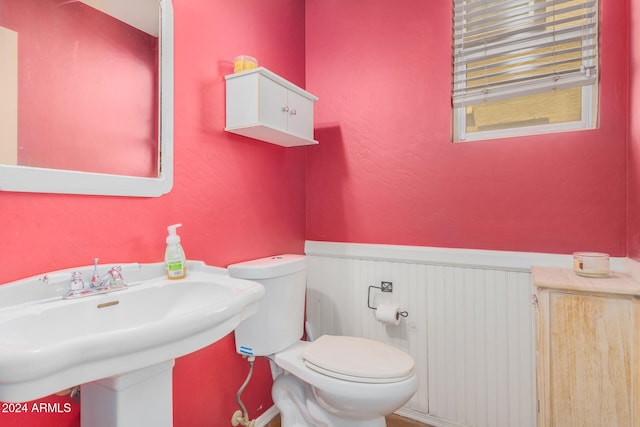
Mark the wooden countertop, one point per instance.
(566, 279)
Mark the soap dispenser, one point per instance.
(175, 261)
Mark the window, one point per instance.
(523, 67)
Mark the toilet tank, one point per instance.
(279, 322)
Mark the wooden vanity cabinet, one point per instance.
(587, 349)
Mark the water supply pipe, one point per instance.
(242, 417)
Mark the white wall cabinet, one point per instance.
(588, 349)
(264, 106)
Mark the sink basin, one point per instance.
(48, 344)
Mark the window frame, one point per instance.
(589, 104)
(589, 114)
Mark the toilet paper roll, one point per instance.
(388, 313)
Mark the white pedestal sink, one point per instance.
(119, 346)
(135, 399)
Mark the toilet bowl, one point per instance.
(351, 397)
(334, 381)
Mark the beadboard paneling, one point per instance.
(470, 328)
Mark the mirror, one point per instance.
(87, 96)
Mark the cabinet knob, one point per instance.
(285, 109)
(293, 112)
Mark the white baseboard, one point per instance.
(267, 416)
(426, 418)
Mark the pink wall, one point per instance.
(386, 172)
(237, 198)
(634, 132)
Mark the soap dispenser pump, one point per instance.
(175, 261)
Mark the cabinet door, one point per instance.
(300, 116)
(273, 104)
(589, 341)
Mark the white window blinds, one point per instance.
(508, 48)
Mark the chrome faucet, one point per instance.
(110, 281)
(95, 277)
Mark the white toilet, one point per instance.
(334, 381)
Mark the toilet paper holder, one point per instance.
(384, 287)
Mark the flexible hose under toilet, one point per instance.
(243, 417)
(245, 413)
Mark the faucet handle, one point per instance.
(77, 282)
(116, 276)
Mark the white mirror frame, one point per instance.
(44, 180)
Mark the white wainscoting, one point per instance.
(470, 327)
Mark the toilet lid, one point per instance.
(357, 359)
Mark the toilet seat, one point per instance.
(357, 359)
(348, 400)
